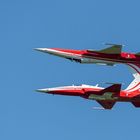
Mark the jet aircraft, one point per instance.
(106, 97)
(108, 56)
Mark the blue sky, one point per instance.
(73, 24)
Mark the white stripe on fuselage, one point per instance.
(61, 53)
(74, 87)
(84, 59)
(135, 84)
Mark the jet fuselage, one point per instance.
(90, 56)
(91, 92)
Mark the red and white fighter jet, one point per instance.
(108, 56)
(106, 97)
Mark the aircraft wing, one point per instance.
(106, 104)
(112, 90)
(136, 104)
(114, 49)
(106, 96)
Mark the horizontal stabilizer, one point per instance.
(107, 104)
(115, 49)
(136, 104)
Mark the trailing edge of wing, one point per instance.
(107, 104)
(136, 104)
(137, 53)
(115, 49)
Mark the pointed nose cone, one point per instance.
(55, 51)
(41, 49)
(47, 50)
(46, 90)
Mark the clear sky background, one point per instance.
(73, 24)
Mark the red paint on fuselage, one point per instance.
(71, 51)
(73, 91)
(116, 58)
(85, 92)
